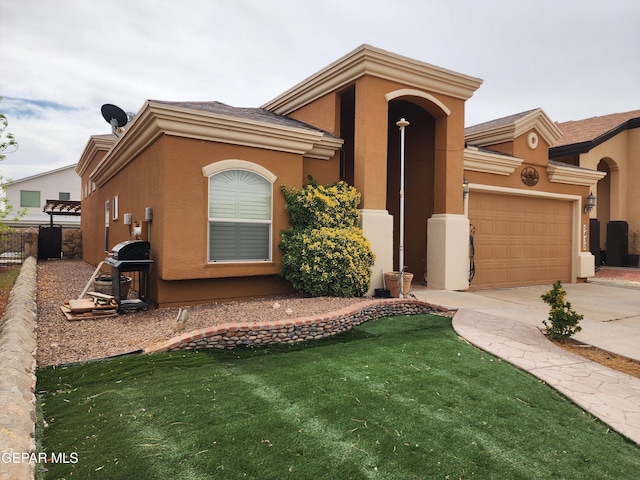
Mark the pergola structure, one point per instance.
(62, 207)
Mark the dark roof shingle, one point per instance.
(498, 122)
(254, 114)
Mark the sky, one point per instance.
(61, 60)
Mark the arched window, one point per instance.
(240, 213)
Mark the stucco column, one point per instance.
(448, 227)
(448, 252)
(377, 227)
(370, 145)
(449, 165)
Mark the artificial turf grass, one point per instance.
(401, 397)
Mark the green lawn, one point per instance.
(8, 276)
(396, 398)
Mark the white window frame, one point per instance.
(114, 210)
(226, 165)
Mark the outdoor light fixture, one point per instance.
(465, 188)
(591, 202)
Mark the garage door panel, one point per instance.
(501, 227)
(515, 228)
(520, 240)
(515, 252)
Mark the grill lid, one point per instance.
(131, 250)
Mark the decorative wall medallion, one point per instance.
(532, 140)
(529, 176)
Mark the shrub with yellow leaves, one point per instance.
(325, 252)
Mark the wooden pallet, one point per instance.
(89, 308)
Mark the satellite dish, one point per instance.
(114, 116)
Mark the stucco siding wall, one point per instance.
(168, 178)
(185, 237)
(616, 150)
(633, 198)
(371, 125)
(92, 218)
(179, 293)
(321, 113)
(622, 153)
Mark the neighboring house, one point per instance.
(31, 193)
(201, 181)
(611, 145)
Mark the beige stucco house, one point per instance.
(30, 194)
(211, 174)
(609, 144)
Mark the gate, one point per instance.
(11, 248)
(49, 241)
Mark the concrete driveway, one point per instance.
(611, 310)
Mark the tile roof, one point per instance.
(254, 114)
(589, 129)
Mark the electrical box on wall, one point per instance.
(126, 218)
(148, 214)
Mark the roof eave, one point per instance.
(157, 119)
(487, 162)
(368, 60)
(570, 150)
(95, 144)
(536, 119)
(574, 175)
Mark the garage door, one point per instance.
(520, 240)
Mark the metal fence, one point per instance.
(12, 251)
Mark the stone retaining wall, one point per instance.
(72, 243)
(17, 376)
(230, 335)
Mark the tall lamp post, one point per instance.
(402, 123)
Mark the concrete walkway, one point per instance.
(507, 323)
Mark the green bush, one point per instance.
(327, 261)
(563, 320)
(325, 252)
(315, 205)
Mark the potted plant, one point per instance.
(398, 282)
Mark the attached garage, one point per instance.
(520, 240)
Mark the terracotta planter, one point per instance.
(392, 280)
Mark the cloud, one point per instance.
(62, 60)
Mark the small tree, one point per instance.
(8, 144)
(325, 252)
(563, 320)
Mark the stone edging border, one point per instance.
(17, 375)
(314, 327)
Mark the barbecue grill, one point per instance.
(125, 257)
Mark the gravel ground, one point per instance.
(619, 273)
(64, 341)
